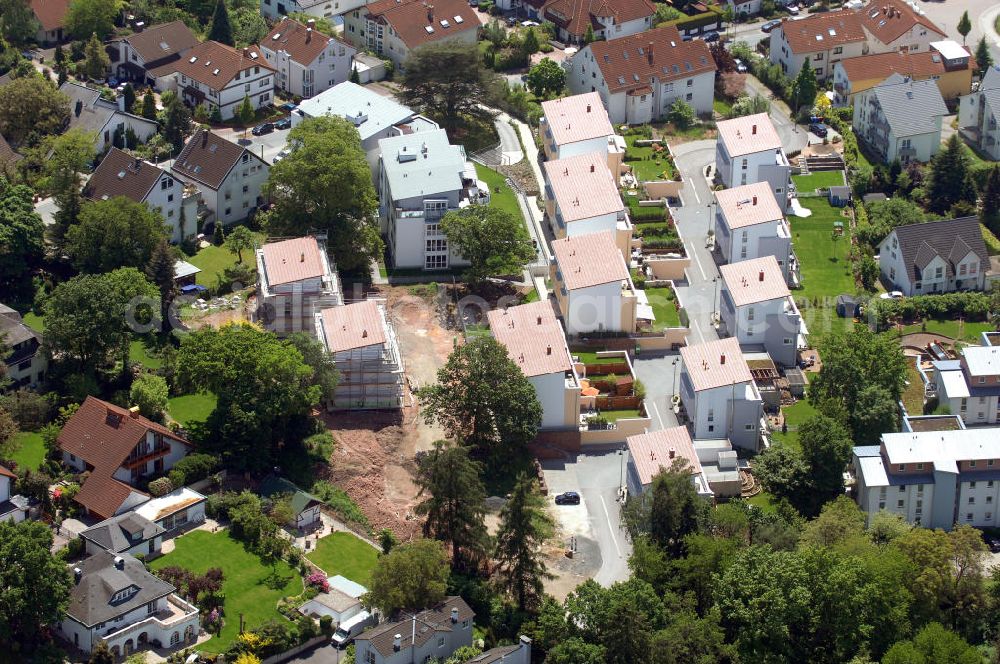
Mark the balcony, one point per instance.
(177, 611)
(136, 460)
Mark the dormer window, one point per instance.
(124, 595)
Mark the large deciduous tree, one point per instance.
(89, 318)
(18, 24)
(34, 587)
(668, 511)
(22, 236)
(455, 503)
(990, 204)
(114, 233)
(325, 184)
(88, 17)
(446, 79)
(483, 399)
(494, 241)
(69, 156)
(325, 375)
(546, 78)
(264, 391)
(413, 576)
(176, 122)
(524, 526)
(31, 104)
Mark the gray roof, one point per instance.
(122, 532)
(919, 243)
(421, 165)
(88, 111)
(494, 654)
(429, 621)
(982, 360)
(12, 328)
(335, 600)
(910, 107)
(370, 111)
(91, 598)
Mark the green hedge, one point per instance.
(713, 15)
(971, 306)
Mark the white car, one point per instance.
(740, 67)
(281, 155)
(891, 295)
(528, 24)
(793, 9)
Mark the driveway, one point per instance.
(266, 146)
(322, 654)
(596, 476)
(509, 145)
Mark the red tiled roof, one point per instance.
(293, 260)
(302, 44)
(657, 450)
(50, 13)
(888, 21)
(749, 134)
(411, 19)
(821, 32)
(214, 64)
(715, 364)
(103, 495)
(626, 63)
(352, 326)
(748, 205)
(207, 158)
(583, 187)
(881, 66)
(533, 338)
(7, 473)
(753, 281)
(589, 260)
(575, 15)
(577, 118)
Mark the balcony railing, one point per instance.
(134, 460)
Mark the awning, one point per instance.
(644, 312)
(193, 288)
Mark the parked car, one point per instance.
(770, 25)
(263, 128)
(281, 155)
(740, 67)
(793, 9)
(283, 123)
(288, 106)
(993, 543)
(711, 36)
(891, 295)
(529, 24)
(819, 129)
(568, 498)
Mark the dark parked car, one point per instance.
(283, 123)
(288, 106)
(770, 25)
(711, 36)
(261, 129)
(819, 129)
(568, 498)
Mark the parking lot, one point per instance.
(602, 549)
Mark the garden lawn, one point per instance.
(961, 330)
(913, 394)
(795, 416)
(248, 585)
(590, 357)
(664, 308)
(646, 167)
(825, 265)
(764, 501)
(30, 451)
(189, 408)
(818, 180)
(212, 261)
(138, 351)
(505, 199)
(615, 415)
(34, 321)
(345, 554)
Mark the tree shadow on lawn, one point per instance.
(276, 581)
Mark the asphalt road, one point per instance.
(266, 146)
(596, 476)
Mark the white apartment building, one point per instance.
(748, 150)
(115, 600)
(421, 178)
(592, 284)
(306, 62)
(934, 257)
(296, 279)
(275, 9)
(651, 453)
(363, 345)
(978, 113)
(120, 174)
(535, 342)
(214, 75)
(901, 119)
(579, 124)
(822, 40)
(581, 197)
(749, 224)
(393, 28)
(898, 25)
(718, 393)
(608, 20)
(756, 308)
(970, 385)
(229, 177)
(639, 77)
(935, 479)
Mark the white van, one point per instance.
(351, 628)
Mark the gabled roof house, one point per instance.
(934, 257)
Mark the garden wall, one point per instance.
(622, 430)
(667, 268)
(660, 189)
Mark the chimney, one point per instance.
(397, 642)
(134, 412)
(671, 454)
(204, 139)
(364, 334)
(246, 53)
(649, 52)
(539, 320)
(760, 276)
(77, 574)
(454, 615)
(311, 24)
(588, 108)
(548, 350)
(309, 34)
(137, 164)
(722, 359)
(755, 200)
(78, 108)
(302, 257)
(591, 168)
(119, 563)
(430, 13)
(754, 132)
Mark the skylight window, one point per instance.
(625, 54)
(687, 66)
(215, 72)
(445, 23)
(873, 13)
(677, 69)
(621, 80)
(165, 46)
(635, 77)
(833, 33)
(641, 52)
(703, 60)
(277, 35)
(429, 29)
(819, 37)
(193, 59)
(459, 19)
